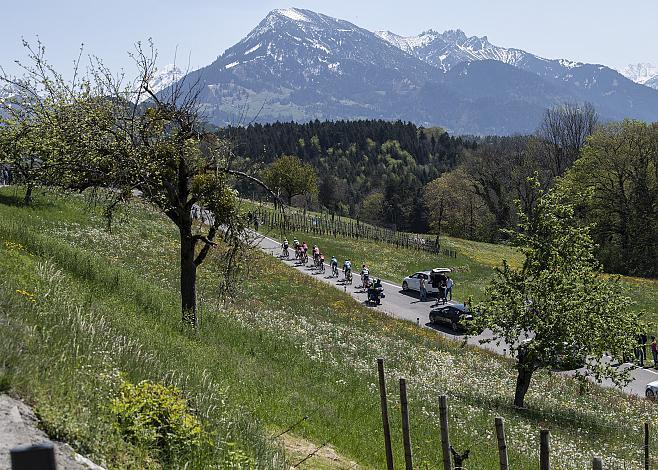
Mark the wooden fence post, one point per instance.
(406, 438)
(40, 456)
(544, 450)
(597, 463)
(502, 445)
(646, 446)
(445, 437)
(387, 429)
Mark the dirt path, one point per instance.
(18, 427)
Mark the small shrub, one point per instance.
(235, 458)
(157, 417)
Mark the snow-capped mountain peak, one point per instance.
(165, 76)
(452, 47)
(643, 73)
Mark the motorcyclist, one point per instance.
(376, 291)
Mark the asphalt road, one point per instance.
(407, 306)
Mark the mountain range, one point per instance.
(301, 65)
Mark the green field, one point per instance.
(82, 306)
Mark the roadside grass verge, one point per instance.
(285, 346)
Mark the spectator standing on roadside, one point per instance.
(643, 342)
(639, 351)
(654, 351)
(423, 289)
(449, 284)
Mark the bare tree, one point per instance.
(564, 131)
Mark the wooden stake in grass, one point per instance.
(646, 446)
(544, 450)
(408, 459)
(445, 438)
(387, 429)
(502, 445)
(597, 463)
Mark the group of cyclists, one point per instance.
(375, 289)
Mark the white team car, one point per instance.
(413, 282)
(651, 390)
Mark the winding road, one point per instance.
(407, 306)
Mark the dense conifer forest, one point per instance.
(375, 169)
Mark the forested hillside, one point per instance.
(375, 170)
(399, 175)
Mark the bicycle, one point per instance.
(334, 270)
(348, 276)
(285, 253)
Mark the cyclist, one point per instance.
(305, 252)
(316, 254)
(347, 267)
(334, 266)
(295, 244)
(284, 246)
(321, 262)
(365, 276)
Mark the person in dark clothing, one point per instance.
(639, 351)
(643, 346)
(439, 282)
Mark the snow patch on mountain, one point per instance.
(294, 14)
(409, 43)
(570, 64)
(253, 49)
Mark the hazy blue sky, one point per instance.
(611, 32)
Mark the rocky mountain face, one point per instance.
(301, 65)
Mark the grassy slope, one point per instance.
(112, 308)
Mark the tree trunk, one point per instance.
(187, 278)
(27, 200)
(522, 384)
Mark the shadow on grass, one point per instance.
(17, 199)
(567, 420)
(12, 200)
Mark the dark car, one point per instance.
(454, 315)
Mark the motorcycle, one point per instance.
(375, 295)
